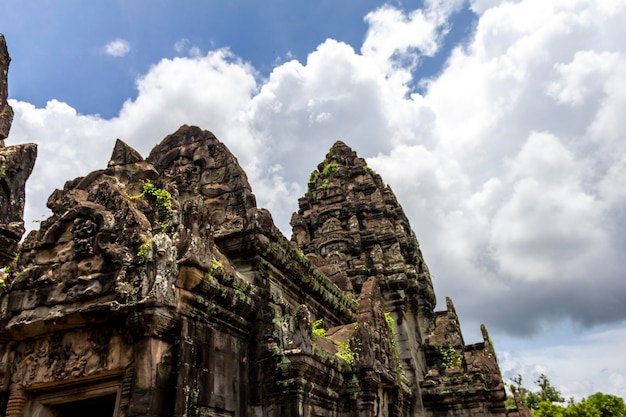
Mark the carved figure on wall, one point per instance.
(165, 270)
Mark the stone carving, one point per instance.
(157, 287)
(165, 270)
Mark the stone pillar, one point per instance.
(154, 377)
(367, 397)
(17, 400)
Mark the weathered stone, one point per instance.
(465, 379)
(352, 219)
(16, 164)
(6, 112)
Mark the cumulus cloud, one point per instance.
(549, 225)
(602, 372)
(510, 165)
(117, 48)
(535, 128)
(395, 40)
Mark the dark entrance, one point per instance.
(103, 406)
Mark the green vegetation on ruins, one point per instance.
(161, 198)
(317, 329)
(449, 358)
(329, 170)
(346, 353)
(145, 249)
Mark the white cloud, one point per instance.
(396, 40)
(212, 91)
(598, 352)
(117, 48)
(549, 225)
(183, 46)
(584, 76)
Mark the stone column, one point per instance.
(17, 401)
(154, 375)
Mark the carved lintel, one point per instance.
(158, 322)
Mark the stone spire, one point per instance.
(6, 112)
(199, 165)
(352, 219)
(16, 164)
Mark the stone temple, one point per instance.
(158, 288)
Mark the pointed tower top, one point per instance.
(351, 218)
(485, 333)
(124, 154)
(450, 306)
(342, 154)
(199, 165)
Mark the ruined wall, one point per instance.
(463, 380)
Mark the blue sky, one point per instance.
(257, 32)
(499, 126)
(49, 37)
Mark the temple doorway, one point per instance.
(103, 406)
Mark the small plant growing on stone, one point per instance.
(369, 170)
(391, 325)
(145, 249)
(162, 200)
(216, 264)
(449, 358)
(317, 329)
(346, 353)
(313, 180)
(299, 255)
(330, 170)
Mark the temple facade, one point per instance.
(159, 288)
